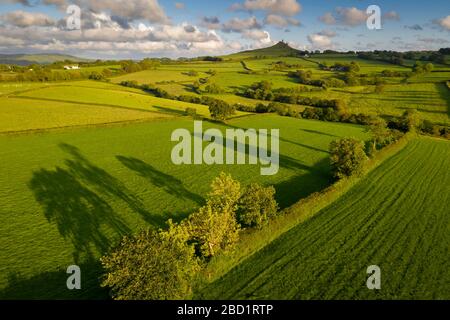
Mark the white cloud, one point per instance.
(212, 23)
(320, 41)
(345, 16)
(444, 23)
(239, 25)
(24, 19)
(280, 21)
(391, 15)
(280, 7)
(258, 35)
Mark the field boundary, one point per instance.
(162, 117)
(251, 241)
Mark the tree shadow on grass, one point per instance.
(160, 179)
(300, 186)
(77, 200)
(51, 285)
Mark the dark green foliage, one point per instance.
(220, 110)
(96, 76)
(347, 157)
(191, 112)
(153, 265)
(214, 89)
(257, 205)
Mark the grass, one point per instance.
(33, 106)
(75, 193)
(395, 218)
(426, 93)
(25, 114)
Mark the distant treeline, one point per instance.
(56, 72)
(398, 58)
(324, 110)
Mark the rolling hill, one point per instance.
(28, 59)
(281, 49)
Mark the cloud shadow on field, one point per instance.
(164, 181)
(77, 200)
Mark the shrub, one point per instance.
(191, 112)
(214, 227)
(347, 157)
(153, 265)
(212, 230)
(220, 110)
(192, 73)
(213, 89)
(257, 205)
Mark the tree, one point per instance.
(379, 131)
(379, 88)
(214, 227)
(409, 121)
(196, 86)
(220, 110)
(153, 265)
(96, 76)
(347, 157)
(225, 193)
(213, 89)
(211, 230)
(257, 205)
(191, 112)
(192, 73)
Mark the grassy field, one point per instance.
(68, 196)
(27, 114)
(396, 218)
(32, 106)
(426, 93)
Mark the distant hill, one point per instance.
(27, 59)
(281, 49)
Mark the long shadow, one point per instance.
(160, 179)
(286, 162)
(444, 93)
(106, 184)
(77, 200)
(52, 285)
(300, 186)
(319, 132)
(170, 111)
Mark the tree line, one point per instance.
(164, 264)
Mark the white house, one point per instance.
(75, 67)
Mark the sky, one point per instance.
(122, 29)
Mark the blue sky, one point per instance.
(139, 28)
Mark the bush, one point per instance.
(347, 157)
(212, 230)
(214, 227)
(257, 205)
(192, 73)
(191, 112)
(153, 265)
(96, 76)
(213, 89)
(220, 110)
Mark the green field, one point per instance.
(396, 218)
(68, 196)
(426, 93)
(86, 162)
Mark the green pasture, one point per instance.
(68, 196)
(396, 218)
